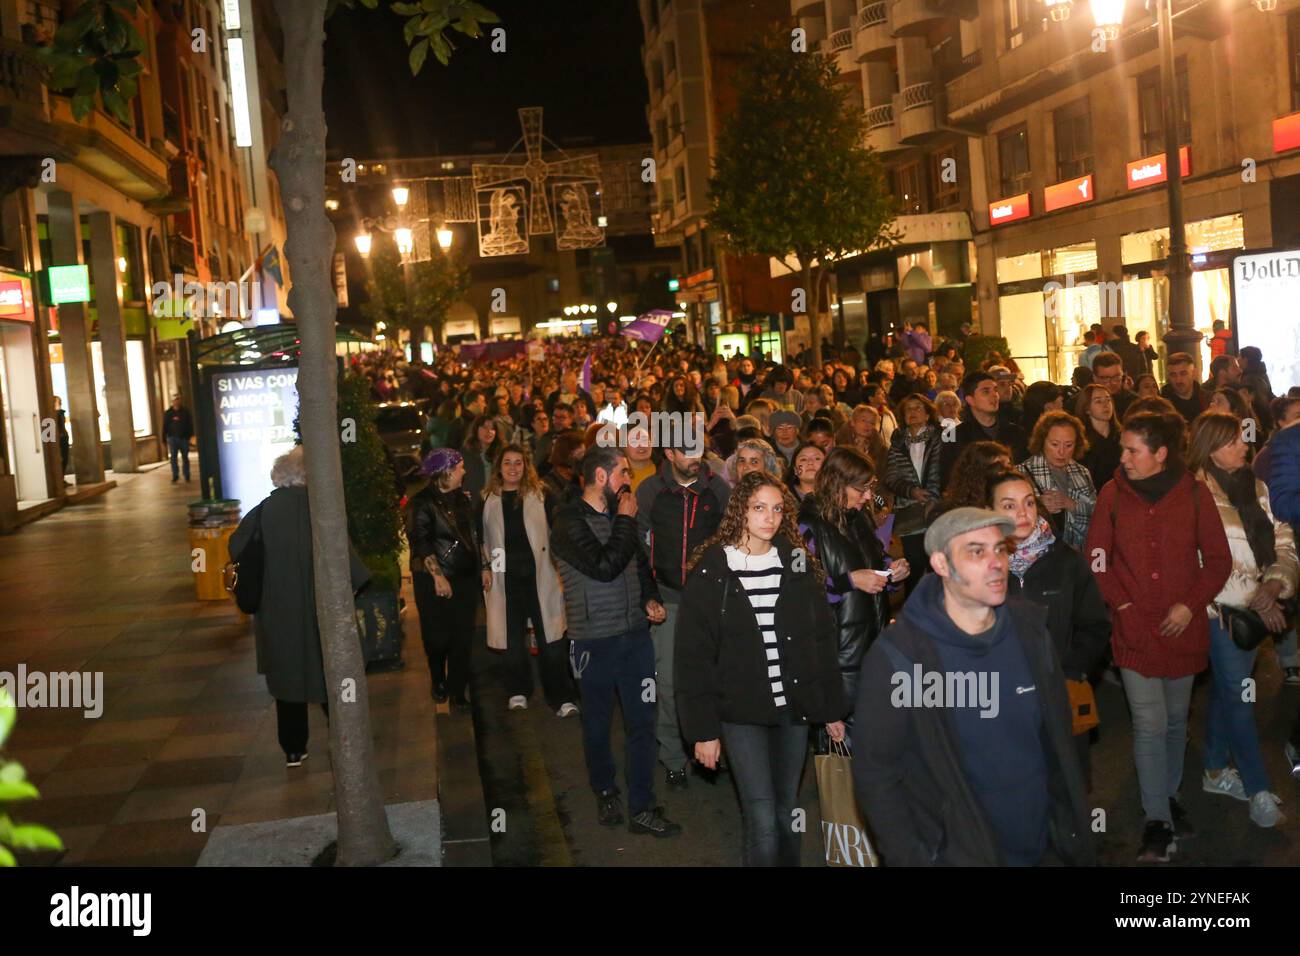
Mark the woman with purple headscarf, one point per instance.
(448, 572)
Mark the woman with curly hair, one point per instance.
(756, 661)
(1065, 489)
(836, 524)
(682, 396)
(970, 474)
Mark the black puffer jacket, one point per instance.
(1061, 582)
(442, 524)
(721, 666)
(860, 616)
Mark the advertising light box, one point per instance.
(1069, 193)
(1265, 289)
(69, 284)
(254, 412)
(1009, 210)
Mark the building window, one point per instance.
(909, 188)
(670, 56)
(676, 114)
(946, 194)
(552, 284)
(657, 75)
(1073, 126)
(1151, 111)
(661, 133)
(652, 14)
(1022, 19)
(1013, 161)
(1293, 47)
(679, 179)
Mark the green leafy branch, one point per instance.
(428, 23)
(95, 53)
(14, 785)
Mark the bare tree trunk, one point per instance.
(299, 162)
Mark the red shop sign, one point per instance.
(16, 300)
(1286, 133)
(1069, 193)
(1009, 210)
(1151, 170)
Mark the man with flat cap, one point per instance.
(970, 760)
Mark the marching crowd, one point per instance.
(909, 551)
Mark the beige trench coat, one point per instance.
(1246, 576)
(549, 593)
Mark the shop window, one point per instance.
(1205, 235)
(909, 188)
(128, 262)
(1068, 260)
(1151, 110)
(946, 194)
(1022, 19)
(1073, 126)
(1015, 268)
(1293, 56)
(1013, 161)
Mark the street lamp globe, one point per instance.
(400, 195)
(405, 241)
(444, 238)
(612, 306)
(363, 243)
(1109, 16)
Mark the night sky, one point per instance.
(579, 59)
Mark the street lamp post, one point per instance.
(1182, 335)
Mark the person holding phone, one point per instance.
(751, 679)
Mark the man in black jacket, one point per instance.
(178, 429)
(1130, 354)
(678, 509)
(610, 601)
(982, 423)
(970, 760)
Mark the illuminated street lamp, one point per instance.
(405, 240)
(444, 238)
(400, 195)
(1059, 9)
(612, 306)
(363, 243)
(1108, 15)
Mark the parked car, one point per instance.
(401, 426)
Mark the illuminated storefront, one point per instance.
(22, 474)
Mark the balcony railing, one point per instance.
(20, 77)
(873, 15)
(878, 116)
(840, 40)
(917, 95)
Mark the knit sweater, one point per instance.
(1150, 552)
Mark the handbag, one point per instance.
(844, 835)
(243, 578)
(1083, 706)
(1247, 629)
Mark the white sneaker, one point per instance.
(1227, 783)
(518, 702)
(567, 710)
(1264, 810)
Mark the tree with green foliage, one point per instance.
(369, 488)
(299, 163)
(15, 786)
(793, 178)
(411, 303)
(96, 56)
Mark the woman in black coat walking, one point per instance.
(447, 572)
(288, 634)
(756, 661)
(1050, 573)
(836, 524)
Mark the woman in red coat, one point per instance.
(1150, 524)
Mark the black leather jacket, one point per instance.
(442, 524)
(860, 616)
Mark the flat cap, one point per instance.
(961, 521)
(784, 417)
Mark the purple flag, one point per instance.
(584, 380)
(650, 326)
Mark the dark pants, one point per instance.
(917, 561)
(552, 656)
(291, 725)
(624, 665)
(179, 450)
(766, 764)
(447, 628)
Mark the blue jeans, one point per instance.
(766, 764)
(1230, 728)
(1159, 708)
(179, 450)
(622, 665)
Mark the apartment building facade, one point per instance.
(1057, 142)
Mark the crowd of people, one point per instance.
(924, 559)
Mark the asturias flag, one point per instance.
(650, 326)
